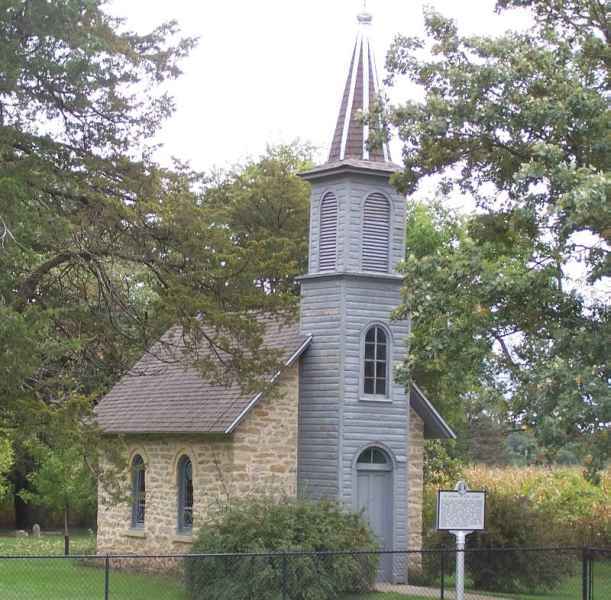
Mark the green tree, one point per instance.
(101, 249)
(62, 483)
(6, 463)
(265, 205)
(520, 123)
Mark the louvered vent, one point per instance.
(327, 243)
(376, 232)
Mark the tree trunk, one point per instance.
(66, 532)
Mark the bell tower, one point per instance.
(353, 413)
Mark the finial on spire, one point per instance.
(351, 137)
(364, 17)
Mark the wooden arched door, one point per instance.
(375, 499)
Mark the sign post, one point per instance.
(461, 512)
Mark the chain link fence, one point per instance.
(526, 573)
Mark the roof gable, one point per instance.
(161, 394)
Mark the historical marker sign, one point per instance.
(461, 510)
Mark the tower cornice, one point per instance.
(351, 166)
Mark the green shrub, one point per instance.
(268, 526)
(525, 507)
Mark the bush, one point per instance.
(269, 526)
(525, 507)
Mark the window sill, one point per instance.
(374, 398)
(183, 538)
(135, 533)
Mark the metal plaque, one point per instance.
(461, 509)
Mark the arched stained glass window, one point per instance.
(375, 375)
(138, 492)
(185, 495)
(376, 233)
(327, 239)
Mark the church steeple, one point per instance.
(360, 94)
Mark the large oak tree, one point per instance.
(506, 305)
(100, 247)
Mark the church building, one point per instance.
(341, 425)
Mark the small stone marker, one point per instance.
(36, 530)
(21, 533)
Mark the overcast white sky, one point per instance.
(271, 71)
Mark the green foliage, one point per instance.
(520, 123)
(515, 522)
(439, 465)
(265, 205)
(6, 463)
(101, 249)
(527, 507)
(266, 525)
(62, 459)
(61, 481)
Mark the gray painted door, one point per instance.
(374, 499)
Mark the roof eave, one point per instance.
(294, 357)
(434, 424)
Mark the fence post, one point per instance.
(443, 569)
(285, 577)
(585, 574)
(106, 577)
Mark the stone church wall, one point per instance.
(260, 457)
(415, 474)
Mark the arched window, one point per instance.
(185, 494)
(327, 239)
(376, 233)
(373, 458)
(138, 492)
(375, 375)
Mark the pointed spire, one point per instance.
(360, 92)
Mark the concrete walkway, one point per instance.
(429, 592)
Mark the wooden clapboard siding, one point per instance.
(320, 389)
(337, 306)
(369, 300)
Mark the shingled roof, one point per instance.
(360, 95)
(163, 394)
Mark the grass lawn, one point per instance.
(570, 589)
(67, 579)
(70, 579)
(60, 579)
(383, 596)
(49, 543)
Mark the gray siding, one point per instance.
(321, 307)
(367, 301)
(337, 420)
(351, 193)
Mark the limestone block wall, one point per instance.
(260, 457)
(415, 474)
(265, 444)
